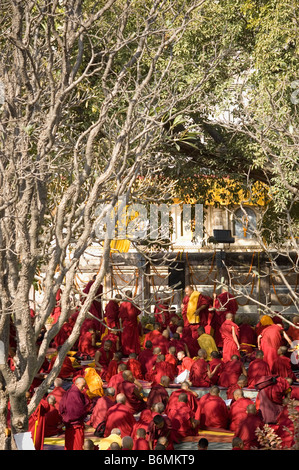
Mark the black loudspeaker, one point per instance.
(176, 278)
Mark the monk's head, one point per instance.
(237, 443)
(127, 442)
(115, 446)
(229, 316)
(128, 376)
(214, 391)
(176, 336)
(80, 383)
(259, 354)
(185, 386)
(141, 433)
(165, 333)
(165, 381)
(180, 355)
(200, 330)
(172, 350)
(179, 330)
(107, 345)
(117, 356)
(121, 398)
(163, 441)
(51, 400)
(282, 351)
(121, 367)
(242, 381)
(183, 398)
(118, 298)
(238, 393)
(157, 351)
(251, 409)
(88, 444)
(158, 421)
(188, 290)
(133, 356)
(160, 358)
(148, 345)
(202, 354)
(158, 407)
(110, 392)
(234, 357)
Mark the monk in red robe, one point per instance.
(147, 358)
(231, 372)
(158, 393)
(238, 409)
(161, 426)
(37, 424)
(57, 309)
(172, 359)
(96, 306)
(271, 393)
(135, 366)
(132, 389)
(247, 337)
(282, 365)
(229, 331)
(154, 336)
(87, 343)
(270, 340)
(213, 412)
(53, 420)
(112, 336)
(119, 416)
(182, 417)
(67, 369)
(58, 391)
(195, 309)
(200, 374)
(189, 340)
(73, 408)
(247, 428)
(191, 395)
(184, 362)
(99, 412)
(239, 385)
(113, 365)
(285, 425)
(179, 344)
(112, 312)
(223, 304)
(161, 314)
(140, 442)
(117, 378)
(161, 368)
(215, 361)
(257, 368)
(102, 358)
(129, 313)
(293, 330)
(143, 422)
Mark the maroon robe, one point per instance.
(181, 416)
(147, 359)
(257, 368)
(237, 412)
(227, 301)
(37, 423)
(130, 342)
(157, 394)
(229, 345)
(99, 412)
(58, 393)
(119, 416)
(112, 314)
(247, 431)
(135, 367)
(282, 367)
(213, 363)
(53, 422)
(134, 404)
(199, 374)
(271, 340)
(174, 397)
(85, 345)
(140, 444)
(213, 413)
(230, 373)
(160, 369)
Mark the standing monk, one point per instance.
(195, 305)
(73, 408)
(112, 312)
(270, 340)
(37, 424)
(229, 331)
(128, 313)
(223, 304)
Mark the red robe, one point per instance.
(246, 431)
(134, 404)
(180, 416)
(115, 381)
(53, 422)
(37, 423)
(112, 369)
(158, 394)
(229, 345)
(67, 370)
(173, 361)
(285, 428)
(73, 408)
(226, 300)
(237, 412)
(135, 367)
(269, 399)
(199, 374)
(213, 413)
(256, 369)
(144, 420)
(293, 333)
(104, 360)
(112, 314)
(147, 360)
(119, 416)
(130, 342)
(247, 338)
(174, 397)
(230, 373)
(62, 335)
(85, 344)
(58, 393)
(160, 369)
(100, 410)
(167, 430)
(111, 337)
(57, 309)
(140, 444)
(162, 315)
(282, 367)
(271, 340)
(213, 363)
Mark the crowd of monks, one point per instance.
(187, 361)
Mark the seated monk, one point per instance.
(67, 369)
(282, 365)
(215, 361)
(241, 383)
(257, 368)
(119, 416)
(146, 358)
(99, 412)
(140, 442)
(135, 366)
(179, 344)
(158, 393)
(293, 330)
(161, 426)
(117, 378)
(154, 336)
(184, 362)
(238, 409)
(206, 342)
(132, 389)
(58, 391)
(87, 343)
(112, 336)
(247, 428)
(161, 368)
(102, 358)
(144, 420)
(212, 411)
(113, 365)
(182, 417)
(191, 395)
(187, 338)
(172, 359)
(231, 372)
(200, 374)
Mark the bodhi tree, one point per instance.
(88, 88)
